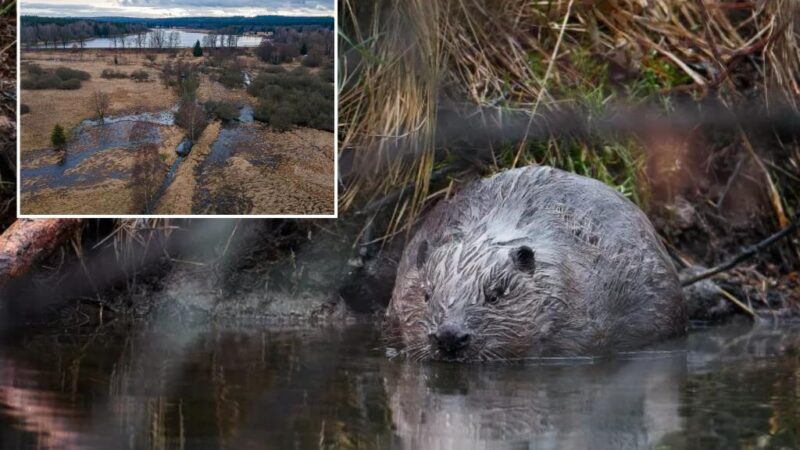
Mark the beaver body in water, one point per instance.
(534, 262)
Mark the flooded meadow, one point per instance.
(131, 161)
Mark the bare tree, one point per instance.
(148, 173)
(101, 102)
(192, 118)
(141, 39)
(174, 39)
(158, 38)
(210, 40)
(28, 35)
(82, 31)
(49, 34)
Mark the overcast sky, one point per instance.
(176, 8)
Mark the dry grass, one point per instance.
(170, 138)
(300, 182)
(109, 197)
(401, 57)
(213, 90)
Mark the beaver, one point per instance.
(533, 261)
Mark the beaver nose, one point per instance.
(450, 340)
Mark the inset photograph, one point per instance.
(167, 108)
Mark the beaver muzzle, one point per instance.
(452, 341)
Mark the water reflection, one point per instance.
(615, 405)
(243, 387)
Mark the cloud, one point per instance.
(177, 8)
(264, 4)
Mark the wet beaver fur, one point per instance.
(533, 262)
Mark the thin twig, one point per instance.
(745, 255)
(737, 302)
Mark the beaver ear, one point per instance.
(524, 258)
(422, 254)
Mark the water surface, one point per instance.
(186, 39)
(252, 386)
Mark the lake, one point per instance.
(242, 386)
(187, 39)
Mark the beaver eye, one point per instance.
(426, 296)
(493, 295)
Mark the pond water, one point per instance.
(251, 386)
(186, 39)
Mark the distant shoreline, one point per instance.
(149, 30)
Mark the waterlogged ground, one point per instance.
(237, 168)
(94, 174)
(240, 167)
(249, 386)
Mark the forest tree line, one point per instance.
(65, 32)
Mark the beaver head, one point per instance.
(474, 300)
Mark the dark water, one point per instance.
(249, 387)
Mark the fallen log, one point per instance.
(27, 241)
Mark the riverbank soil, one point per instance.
(99, 170)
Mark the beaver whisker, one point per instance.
(495, 355)
(420, 355)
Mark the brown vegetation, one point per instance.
(192, 118)
(202, 86)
